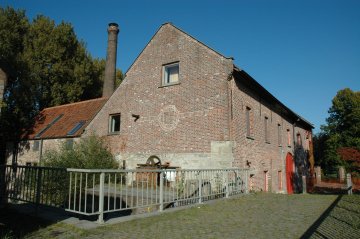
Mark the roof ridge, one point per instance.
(75, 103)
(182, 31)
(212, 49)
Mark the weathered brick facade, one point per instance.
(199, 122)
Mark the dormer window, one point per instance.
(171, 74)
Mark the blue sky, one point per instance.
(303, 52)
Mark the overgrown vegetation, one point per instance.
(90, 152)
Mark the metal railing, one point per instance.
(38, 185)
(95, 192)
(98, 191)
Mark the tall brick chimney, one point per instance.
(110, 67)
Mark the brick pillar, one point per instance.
(110, 67)
(342, 174)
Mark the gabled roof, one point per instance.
(250, 82)
(65, 120)
(182, 31)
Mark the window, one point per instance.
(279, 135)
(69, 144)
(49, 125)
(288, 137)
(266, 183)
(298, 139)
(114, 124)
(76, 128)
(248, 114)
(266, 129)
(280, 185)
(36, 145)
(171, 74)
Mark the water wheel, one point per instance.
(153, 161)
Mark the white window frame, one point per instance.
(112, 123)
(165, 74)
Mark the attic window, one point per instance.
(76, 128)
(48, 126)
(114, 124)
(171, 74)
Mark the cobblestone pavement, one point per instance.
(251, 216)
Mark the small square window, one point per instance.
(114, 124)
(171, 74)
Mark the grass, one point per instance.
(253, 216)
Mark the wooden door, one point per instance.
(289, 173)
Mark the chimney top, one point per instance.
(113, 27)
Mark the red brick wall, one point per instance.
(209, 109)
(200, 99)
(263, 156)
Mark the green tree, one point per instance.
(90, 153)
(58, 64)
(45, 65)
(342, 129)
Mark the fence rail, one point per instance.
(96, 192)
(38, 185)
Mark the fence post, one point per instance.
(304, 184)
(2, 185)
(38, 188)
(101, 198)
(161, 191)
(341, 174)
(318, 174)
(349, 183)
(246, 181)
(227, 184)
(200, 187)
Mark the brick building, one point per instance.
(193, 108)
(190, 106)
(53, 127)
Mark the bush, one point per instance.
(89, 153)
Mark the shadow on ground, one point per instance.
(20, 220)
(17, 225)
(340, 220)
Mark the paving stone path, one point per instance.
(251, 216)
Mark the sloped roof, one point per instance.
(182, 31)
(65, 120)
(257, 87)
